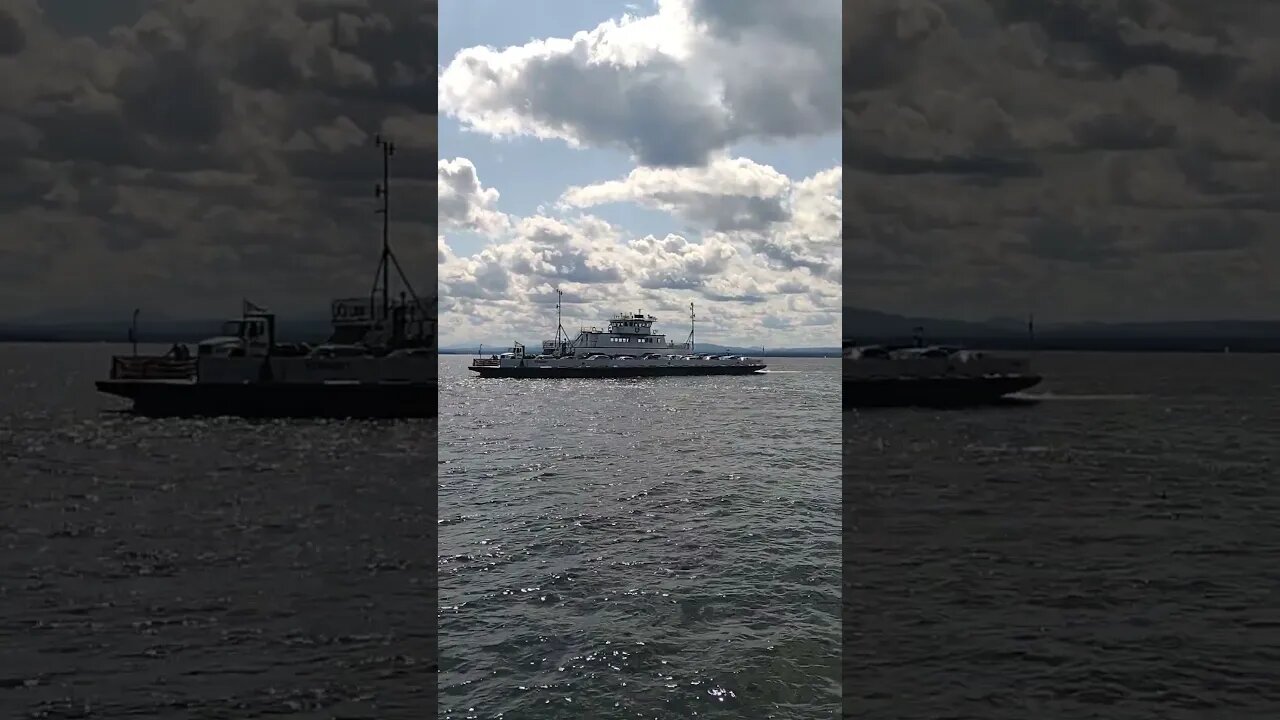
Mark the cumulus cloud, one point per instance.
(507, 288)
(786, 267)
(463, 203)
(683, 90)
(727, 194)
(786, 223)
(672, 88)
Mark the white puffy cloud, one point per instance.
(787, 223)
(465, 204)
(672, 87)
(776, 281)
(726, 194)
(680, 89)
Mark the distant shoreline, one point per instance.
(142, 340)
(1252, 345)
(1247, 345)
(833, 353)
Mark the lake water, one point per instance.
(1110, 552)
(207, 568)
(649, 549)
(655, 548)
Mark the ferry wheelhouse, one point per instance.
(628, 334)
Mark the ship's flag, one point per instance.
(250, 307)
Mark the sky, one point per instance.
(1085, 160)
(640, 156)
(1092, 160)
(179, 155)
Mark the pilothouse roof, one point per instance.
(636, 316)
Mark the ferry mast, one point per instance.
(382, 276)
(562, 336)
(692, 318)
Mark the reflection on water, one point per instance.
(652, 548)
(1108, 552)
(206, 568)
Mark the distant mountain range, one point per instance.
(312, 330)
(150, 330)
(702, 347)
(874, 327)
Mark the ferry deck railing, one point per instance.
(151, 367)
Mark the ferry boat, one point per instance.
(627, 348)
(380, 360)
(935, 376)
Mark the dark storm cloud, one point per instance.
(268, 65)
(872, 160)
(12, 37)
(1210, 234)
(1127, 129)
(1120, 35)
(180, 154)
(1074, 242)
(881, 38)
(1070, 154)
(174, 98)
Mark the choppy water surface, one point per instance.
(657, 548)
(1109, 552)
(206, 569)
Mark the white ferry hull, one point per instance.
(187, 398)
(601, 370)
(280, 387)
(933, 392)
(932, 377)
